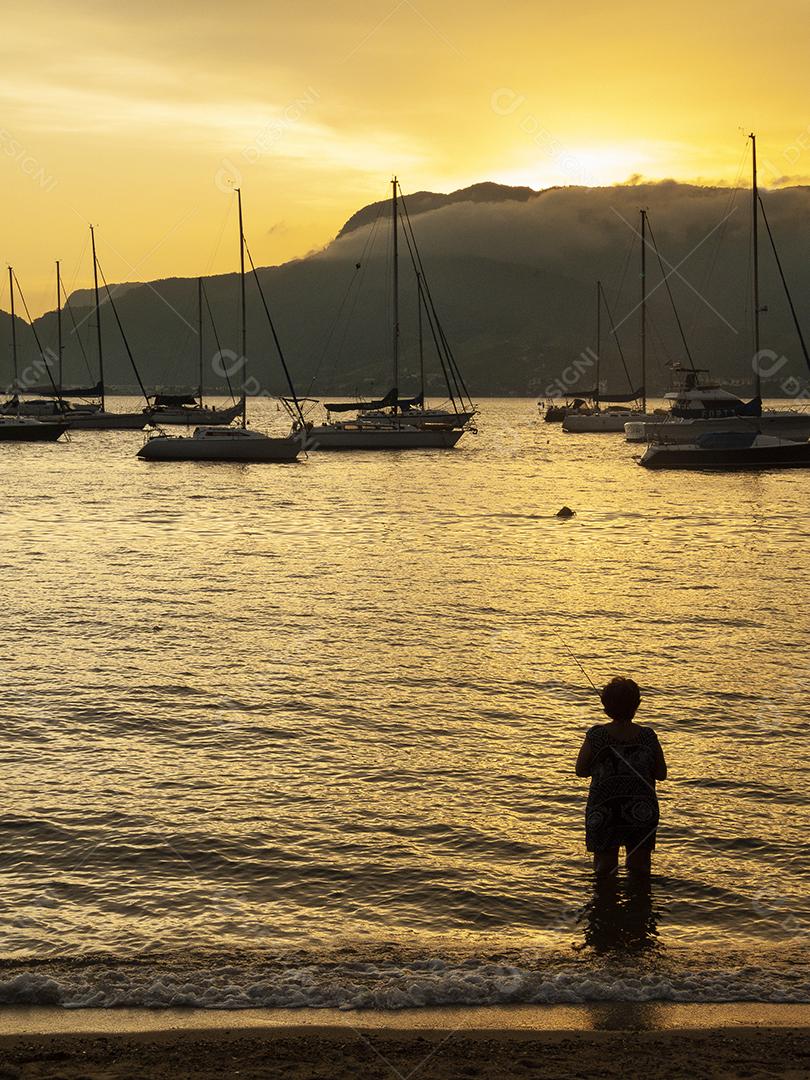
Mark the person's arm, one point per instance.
(585, 759)
(660, 762)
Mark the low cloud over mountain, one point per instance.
(513, 275)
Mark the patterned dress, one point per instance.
(622, 806)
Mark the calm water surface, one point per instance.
(305, 734)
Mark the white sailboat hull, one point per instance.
(785, 425)
(194, 417)
(417, 418)
(90, 418)
(604, 421)
(221, 444)
(106, 421)
(332, 437)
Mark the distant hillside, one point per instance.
(513, 274)
(84, 297)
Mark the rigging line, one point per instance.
(216, 340)
(671, 297)
(729, 207)
(784, 283)
(328, 341)
(347, 322)
(191, 328)
(57, 389)
(615, 334)
(360, 280)
(123, 335)
(293, 394)
(82, 350)
(80, 262)
(229, 211)
(435, 334)
(435, 328)
(357, 279)
(657, 342)
(442, 361)
(452, 376)
(631, 247)
(458, 377)
(431, 314)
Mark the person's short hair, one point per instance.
(621, 698)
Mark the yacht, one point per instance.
(394, 423)
(700, 406)
(728, 450)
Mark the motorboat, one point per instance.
(699, 405)
(728, 450)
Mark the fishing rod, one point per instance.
(576, 660)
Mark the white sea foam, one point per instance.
(386, 987)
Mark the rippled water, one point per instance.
(264, 720)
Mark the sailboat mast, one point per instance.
(421, 338)
(598, 339)
(200, 332)
(395, 343)
(755, 253)
(644, 311)
(98, 316)
(242, 308)
(13, 327)
(59, 324)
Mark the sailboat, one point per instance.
(57, 402)
(392, 422)
(699, 406)
(617, 414)
(209, 443)
(15, 426)
(190, 409)
(555, 414)
(52, 403)
(28, 429)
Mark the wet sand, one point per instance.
(556, 1041)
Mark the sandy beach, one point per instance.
(612, 1041)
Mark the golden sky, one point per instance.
(137, 116)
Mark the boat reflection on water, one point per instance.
(621, 917)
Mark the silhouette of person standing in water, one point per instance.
(623, 760)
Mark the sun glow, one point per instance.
(315, 107)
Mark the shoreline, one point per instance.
(613, 1040)
(504, 1020)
